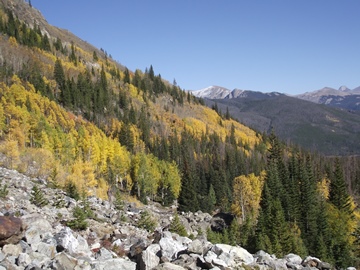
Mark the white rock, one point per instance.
(169, 266)
(170, 248)
(46, 249)
(293, 258)
(237, 254)
(23, 260)
(149, 257)
(12, 250)
(114, 264)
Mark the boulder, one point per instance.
(238, 255)
(48, 250)
(169, 266)
(64, 261)
(196, 247)
(311, 262)
(12, 250)
(75, 246)
(11, 230)
(37, 230)
(103, 254)
(170, 248)
(113, 264)
(293, 258)
(137, 248)
(150, 257)
(23, 260)
(186, 261)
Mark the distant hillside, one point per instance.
(317, 127)
(343, 97)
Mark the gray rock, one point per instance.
(23, 260)
(48, 250)
(2, 256)
(103, 254)
(293, 258)
(237, 254)
(310, 262)
(150, 257)
(64, 261)
(186, 261)
(12, 250)
(169, 266)
(209, 257)
(196, 247)
(75, 246)
(114, 264)
(37, 230)
(39, 260)
(170, 248)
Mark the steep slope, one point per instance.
(77, 120)
(313, 126)
(96, 120)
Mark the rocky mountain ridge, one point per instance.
(343, 97)
(35, 237)
(218, 92)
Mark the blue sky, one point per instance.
(270, 45)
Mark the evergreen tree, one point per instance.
(79, 222)
(59, 75)
(338, 191)
(38, 197)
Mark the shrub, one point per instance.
(79, 222)
(177, 227)
(146, 221)
(3, 191)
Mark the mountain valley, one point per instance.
(102, 167)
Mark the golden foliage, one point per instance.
(247, 194)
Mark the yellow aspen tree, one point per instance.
(89, 175)
(121, 165)
(103, 145)
(323, 188)
(45, 142)
(2, 120)
(76, 174)
(11, 150)
(170, 178)
(102, 189)
(247, 194)
(95, 153)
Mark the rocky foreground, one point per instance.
(33, 237)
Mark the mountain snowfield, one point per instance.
(343, 97)
(218, 92)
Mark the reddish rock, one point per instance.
(11, 230)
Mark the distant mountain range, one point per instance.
(309, 120)
(342, 98)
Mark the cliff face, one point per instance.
(35, 234)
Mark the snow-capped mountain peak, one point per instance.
(212, 92)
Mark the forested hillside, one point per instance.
(81, 121)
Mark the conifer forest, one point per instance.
(77, 118)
